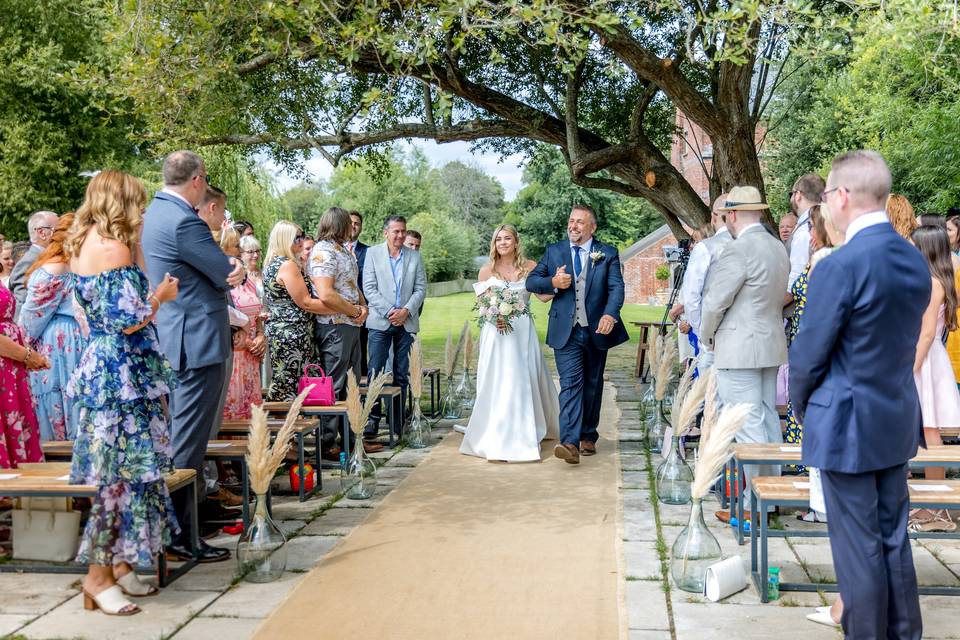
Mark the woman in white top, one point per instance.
(516, 405)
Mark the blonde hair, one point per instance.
(901, 214)
(249, 243)
(281, 241)
(114, 203)
(519, 261)
(229, 238)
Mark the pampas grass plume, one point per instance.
(711, 407)
(717, 449)
(468, 348)
(691, 403)
(263, 460)
(416, 369)
(666, 367)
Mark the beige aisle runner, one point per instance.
(465, 548)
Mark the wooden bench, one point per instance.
(778, 454)
(338, 411)
(51, 480)
(395, 419)
(793, 491)
(432, 375)
(302, 428)
(645, 343)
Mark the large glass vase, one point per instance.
(452, 402)
(358, 480)
(467, 391)
(693, 551)
(674, 476)
(418, 432)
(648, 402)
(261, 550)
(656, 426)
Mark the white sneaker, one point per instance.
(822, 617)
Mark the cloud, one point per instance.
(509, 172)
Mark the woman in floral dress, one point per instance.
(123, 445)
(287, 297)
(48, 317)
(19, 433)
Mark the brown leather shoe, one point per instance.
(723, 516)
(588, 448)
(372, 447)
(568, 453)
(226, 497)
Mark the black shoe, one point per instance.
(205, 553)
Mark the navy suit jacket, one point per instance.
(603, 291)
(360, 251)
(194, 329)
(851, 364)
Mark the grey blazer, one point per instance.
(743, 302)
(18, 280)
(194, 329)
(380, 290)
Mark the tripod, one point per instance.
(678, 275)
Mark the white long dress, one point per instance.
(517, 404)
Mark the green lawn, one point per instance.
(441, 315)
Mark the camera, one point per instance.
(679, 254)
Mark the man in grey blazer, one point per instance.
(395, 285)
(194, 329)
(40, 226)
(742, 321)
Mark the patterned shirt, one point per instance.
(332, 260)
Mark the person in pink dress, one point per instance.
(248, 350)
(19, 431)
(932, 371)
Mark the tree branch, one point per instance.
(640, 109)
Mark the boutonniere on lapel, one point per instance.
(596, 256)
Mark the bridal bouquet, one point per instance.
(499, 306)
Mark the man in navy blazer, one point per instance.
(359, 251)
(194, 329)
(584, 277)
(851, 382)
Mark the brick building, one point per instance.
(640, 261)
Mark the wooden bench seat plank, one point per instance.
(48, 482)
(748, 452)
(785, 488)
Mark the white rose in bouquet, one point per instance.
(506, 308)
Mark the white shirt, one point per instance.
(691, 292)
(584, 255)
(871, 219)
(173, 193)
(799, 249)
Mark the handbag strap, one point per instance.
(306, 370)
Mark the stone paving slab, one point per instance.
(250, 600)
(719, 621)
(336, 522)
(653, 616)
(206, 628)
(32, 594)
(162, 615)
(303, 552)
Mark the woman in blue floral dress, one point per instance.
(123, 445)
(48, 318)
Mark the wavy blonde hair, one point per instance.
(114, 203)
(281, 241)
(519, 260)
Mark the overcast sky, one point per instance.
(508, 172)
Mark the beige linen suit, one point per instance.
(743, 323)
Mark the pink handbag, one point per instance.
(322, 393)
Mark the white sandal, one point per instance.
(131, 585)
(110, 601)
(822, 617)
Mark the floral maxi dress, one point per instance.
(49, 320)
(123, 443)
(19, 434)
(289, 333)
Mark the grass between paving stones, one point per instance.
(661, 544)
(806, 570)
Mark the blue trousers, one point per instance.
(867, 516)
(379, 343)
(580, 365)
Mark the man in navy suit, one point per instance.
(194, 329)
(359, 251)
(584, 277)
(851, 382)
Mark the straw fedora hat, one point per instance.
(744, 199)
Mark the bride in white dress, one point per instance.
(517, 404)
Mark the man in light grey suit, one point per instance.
(194, 329)
(40, 226)
(743, 323)
(395, 285)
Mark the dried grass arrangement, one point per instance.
(690, 398)
(359, 411)
(711, 407)
(467, 348)
(666, 367)
(451, 353)
(653, 353)
(263, 459)
(416, 369)
(715, 449)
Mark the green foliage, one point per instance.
(883, 94)
(448, 245)
(52, 127)
(662, 272)
(541, 209)
(474, 198)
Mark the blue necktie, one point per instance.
(577, 265)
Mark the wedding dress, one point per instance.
(517, 404)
